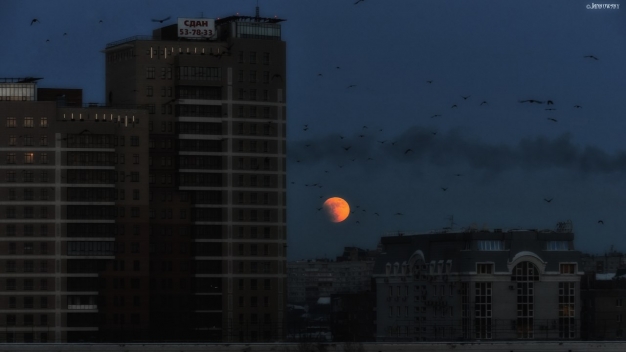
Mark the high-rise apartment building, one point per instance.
(74, 211)
(215, 95)
(160, 216)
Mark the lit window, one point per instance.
(11, 122)
(28, 122)
(43, 122)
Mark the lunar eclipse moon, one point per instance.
(337, 209)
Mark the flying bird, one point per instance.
(551, 119)
(591, 57)
(358, 1)
(399, 214)
(429, 82)
(531, 101)
(100, 21)
(577, 106)
(407, 151)
(547, 200)
(376, 214)
(319, 75)
(34, 20)
(459, 175)
(549, 109)
(550, 102)
(483, 103)
(381, 142)
(347, 148)
(163, 20)
(64, 34)
(352, 85)
(444, 188)
(453, 106)
(465, 98)
(436, 115)
(601, 222)
(364, 126)
(361, 135)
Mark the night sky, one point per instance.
(351, 66)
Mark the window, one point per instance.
(11, 122)
(618, 302)
(134, 141)
(43, 122)
(10, 158)
(490, 245)
(149, 91)
(567, 268)
(28, 158)
(265, 59)
(558, 245)
(43, 158)
(253, 57)
(43, 140)
(150, 72)
(28, 122)
(252, 76)
(484, 268)
(12, 140)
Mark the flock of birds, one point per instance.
(37, 21)
(548, 104)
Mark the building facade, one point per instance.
(74, 210)
(217, 124)
(478, 285)
(308, 280)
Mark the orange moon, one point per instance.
(337, 209)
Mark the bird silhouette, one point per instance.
(318, 209)
(337, 67)
(483, 103)
(381, 142)
(100, 21)
(407, 151)
(601, 222)
(444, 188)
(550, 109)
(550, 102)
(551, 119)
(436, 115)
(532, 101)
(434, 133)
(347, 148)
(340, 137)
(163, 20)
(358, 1)
(352, 86)
(465, 97)
(358, 220)
(364, 126)
(591, 57)
(276, 76)
(547, 200)
(376, 214)
(361, 135)
(369, 159)
(34, 21)
(429, 82)
(459, 175)
(577, 106)
(319, 75)
(64, 34)
(453, 106)
(399, 214)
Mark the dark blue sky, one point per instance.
(510, 155)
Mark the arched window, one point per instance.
(525, 274)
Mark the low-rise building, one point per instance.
(478, 285)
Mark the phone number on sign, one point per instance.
(204, 32)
